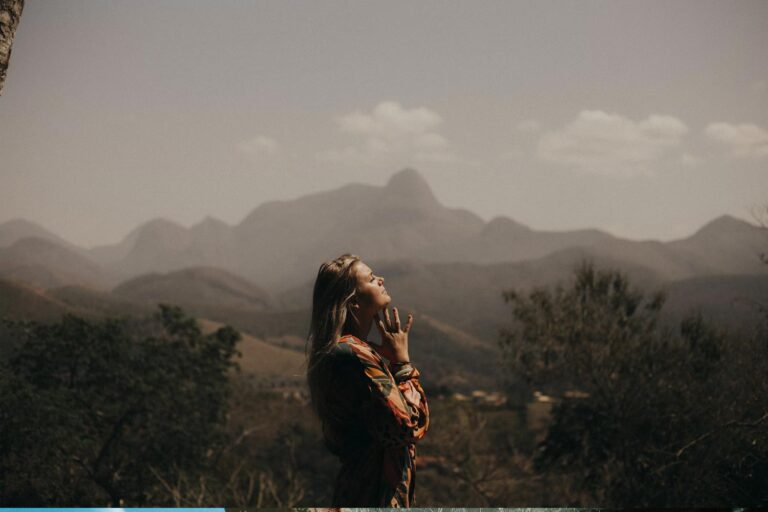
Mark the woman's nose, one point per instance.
(381, 280)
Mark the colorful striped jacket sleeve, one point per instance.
(397, 413)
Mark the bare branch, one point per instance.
(734, 423)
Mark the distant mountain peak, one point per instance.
(503, 226)
(20, 222)
(158, 233)
(724, 224)
(407, 178)
(157, 228)
(17, 228)
(161, 223)
(210, 222)
(410, 185)
(728, 220)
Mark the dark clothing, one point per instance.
(371, 421)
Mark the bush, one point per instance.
(92, 413)
(644, 416)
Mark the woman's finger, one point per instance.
(397, 319)
(409, 323)
(387, 322)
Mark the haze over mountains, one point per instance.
(279, 245)
(446, 265)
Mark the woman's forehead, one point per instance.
(362, 269)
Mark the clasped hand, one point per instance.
(394, 338)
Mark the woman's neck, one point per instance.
(358, 329)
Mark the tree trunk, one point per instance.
(10, 14)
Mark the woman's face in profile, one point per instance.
(371, 294)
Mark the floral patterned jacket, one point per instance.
(374, 414)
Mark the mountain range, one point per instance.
(446, 265)
(280, 244)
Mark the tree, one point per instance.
(645, 416)
(95, 412)
(10, 15)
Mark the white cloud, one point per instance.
(389, 119)
(744, 140)
(390, 134)
(610, 144)
(259, 145)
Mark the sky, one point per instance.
(646, 119)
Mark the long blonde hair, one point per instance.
(335, 287)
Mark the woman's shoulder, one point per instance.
(362, 350)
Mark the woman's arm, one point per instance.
(394, 406)
(409, 387)
(407, 378)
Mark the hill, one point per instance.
(730, 301)
(280, 244)
(100, 303)
(46, 263)
(197, 285)
(726, 245)
(262, 361)
(23, 302)
(17, 229)
(469, 296)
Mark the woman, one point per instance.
(372, 412)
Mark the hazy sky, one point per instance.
(646, 119)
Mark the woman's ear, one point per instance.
(354, 308)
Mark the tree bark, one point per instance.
(10, 14)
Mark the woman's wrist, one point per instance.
(401, 370)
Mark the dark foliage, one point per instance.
(137, 412)
(97, 414)
(643, 416)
